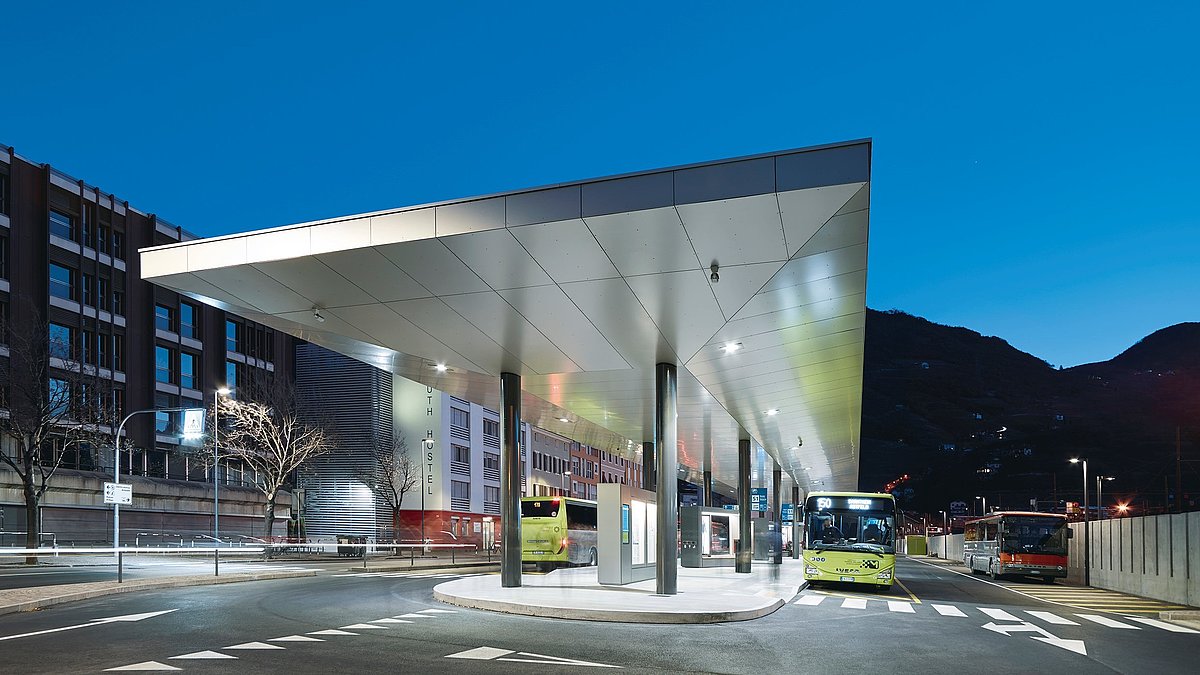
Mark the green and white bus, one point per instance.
(558, 531)
(850, 537)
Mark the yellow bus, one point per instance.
(558, 531)
(850, 537)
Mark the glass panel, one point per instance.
(638, 531)
(61, 225)
(62, 282)
(231, 374)
(163, 318)
(187, 320)
(60, 341)
(162, 364)
(231, 331)
(187, 370)
(547, 508)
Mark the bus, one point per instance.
(850, 537)
(1017, 543)
(558, 531)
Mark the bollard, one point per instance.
(412, 556)
(216, 562)
(120, 567)
(452, 549)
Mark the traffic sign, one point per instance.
(118, 493)
(786, 513)
(758, 499)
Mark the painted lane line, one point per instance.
(1049, 617)
(331, 631)
(973, 577)
(360, 626)
(948, 610)
(255, 645)
(481, 653)
(854, 603)
(412, 616)
(998, 614)
(390, 621)
(900, 606)
(295, 638)
(437, 611)
(206, 654)
(1105, 621)
(1161, 624)
(145, 666)
(810, 600)
(94, 622)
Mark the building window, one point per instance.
(3, 257)
(62, 225)
(4, 193)
(105, 238)
(62, 282)
(118, 303)
(231, 336)
(61, 338)
(162, 364)
(103, 293)
(491, 428)
(162, 420)
(118, 245)
(461, 454)
(460, 490)
(460, 418)
(60, 397)
(90, 345)
(491, 495)
(491, 461)
(187, 320)
(187, 370)
(102, 352)
(164, 318)
(89, 290)
(231, 374)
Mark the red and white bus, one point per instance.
(1017, 543)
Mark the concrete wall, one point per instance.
(950, 550)
(166, 511)
(1152, 556)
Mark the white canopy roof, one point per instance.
(582, 288)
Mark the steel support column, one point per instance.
(708, 497)
(777, 514)
(795, 522)
(666, 467)
(648, 481)
(745, 537)
(510, 479)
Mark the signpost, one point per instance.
(786, 513)
(758, 499)
(118, 493)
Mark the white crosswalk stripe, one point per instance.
(1049, 617)
(948, 610)
(810, 600)
(998, 614)
(900, 606)
(1162, 624)
(1105, 621)
(854, 603)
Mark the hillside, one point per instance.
(967, 415)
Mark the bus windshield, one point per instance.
(542, 508)
(840, 523)
(1030, 534)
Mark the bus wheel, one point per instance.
(992, 567)
(592, 559)
(1047, 580)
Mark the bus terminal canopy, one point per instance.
(582, 288)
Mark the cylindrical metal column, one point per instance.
(666, 467)
(796, 522)
(745, 538)
(648, 481)
(777, 515)
(510, 479)
(708, 497)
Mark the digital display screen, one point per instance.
(849, 504)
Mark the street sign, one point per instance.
(758, 499)
(786, 513)
(193, 422)
(118, 493)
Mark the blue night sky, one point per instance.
(1035, 171)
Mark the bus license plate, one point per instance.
(847, 578)
(538, 552)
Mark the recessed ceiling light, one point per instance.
(772, 412)
(441, 367)
(731, 347)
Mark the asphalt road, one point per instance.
(935, 623)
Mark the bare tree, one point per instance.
(273, 438)
(392, 474)
(49, 397)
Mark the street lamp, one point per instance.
(223, 391)
(984, 512)
(1100, 493)
(428, 445)
(1087, 548)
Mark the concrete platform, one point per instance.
(711, 595)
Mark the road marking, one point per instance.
(331, 631)
(910, 593)
(1105, 621)
(900, 606)
(810, 600)
(497, 654)
(413, 616)
(206, 654)
(1051, 618)
(145, 666)
(948, 610)
(360, 626)
(255, 645)
(390, 621)
(1162, 624)
(998, 614)
(1045, 636)
(437, 611)
(93, 622)
(854, 603)
(295, 638)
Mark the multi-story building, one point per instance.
(69, 265)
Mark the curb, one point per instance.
(609, 616)
(58, 597)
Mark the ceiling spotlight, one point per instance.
(772, 412)
(731, 347)
(317, 315)
(441, 367)
(714, 277)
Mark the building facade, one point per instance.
(69, 267)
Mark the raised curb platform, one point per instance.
(711, 595)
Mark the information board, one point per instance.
(118, 493)
(758, 499)
(786, 513)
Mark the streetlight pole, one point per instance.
(1087, 548)
(223, 391)
(945, 537)
(1100, 494)
(984, 513)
